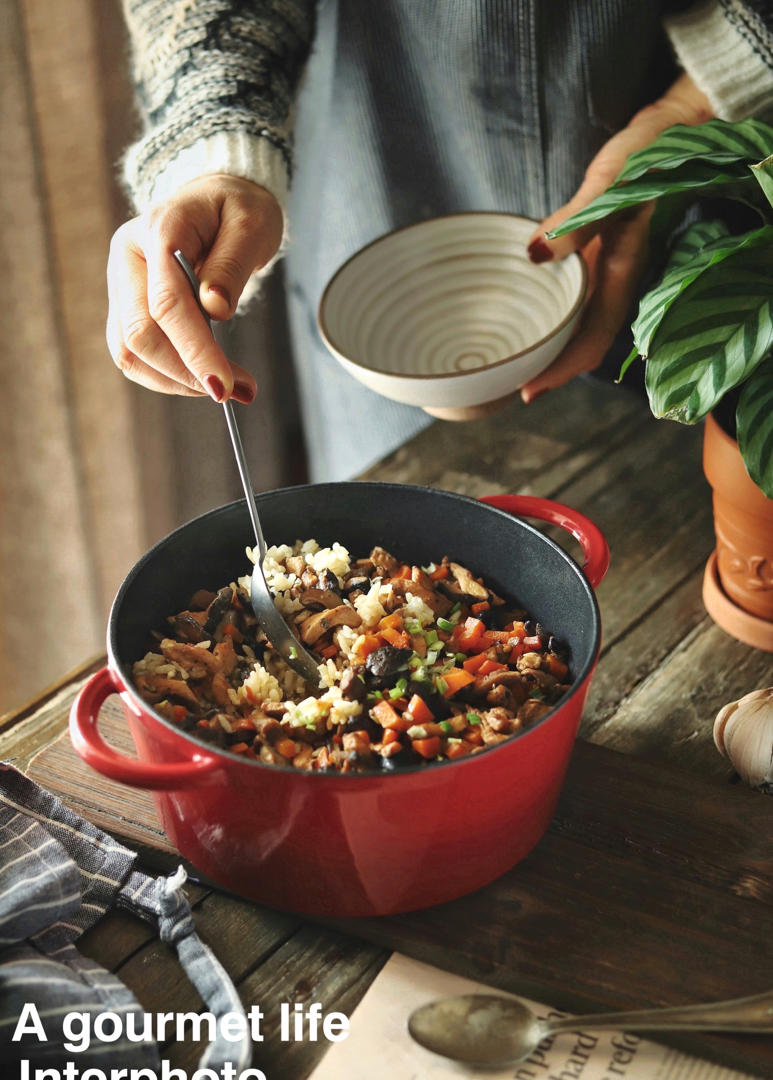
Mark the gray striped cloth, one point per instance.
(58, 876)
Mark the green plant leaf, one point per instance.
(763, 174)
(703, 245)
(694, 238)
(714, 337)
(698, 177)
(754, 421)
(717, 142)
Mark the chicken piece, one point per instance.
(295, 564)
(502, 720)
(439, 604)
(385, 564)
(225, 655)
(532, 710)
(315, 626)
(196, 661)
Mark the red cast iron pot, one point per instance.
(354, 844)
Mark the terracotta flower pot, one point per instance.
(738, 584)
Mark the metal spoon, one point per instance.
(269, 618)
(489, 1031)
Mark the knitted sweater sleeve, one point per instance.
(726, 47)
(214, 81)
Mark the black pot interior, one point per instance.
(418, 525)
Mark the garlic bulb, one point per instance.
(743, 732)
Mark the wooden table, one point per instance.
(668, 860)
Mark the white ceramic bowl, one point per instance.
(451, 313)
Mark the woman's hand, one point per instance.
(615, 249)
(226, 227)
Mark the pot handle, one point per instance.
(93, 749)
(588, 535)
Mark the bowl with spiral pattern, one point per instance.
(451, 313)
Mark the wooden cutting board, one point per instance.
(651, 887)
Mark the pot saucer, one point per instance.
(750, 629)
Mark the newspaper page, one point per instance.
(379, 1047)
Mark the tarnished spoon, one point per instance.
(269, 618)
(490, 1031)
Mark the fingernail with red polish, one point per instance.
(214, 387)
(538, 251)
(243, 393)
(218, 290)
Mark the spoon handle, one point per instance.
(230, 418)
(754, 1014)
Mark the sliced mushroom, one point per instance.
(315, 626)
(189, 625)
(328, 580)
(387, 660)
(317, 599)
(355, 581)
(218, 608)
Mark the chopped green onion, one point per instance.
(431, 657)
(472, 718)
(401, 685)
(293, 652)
(360, 676)
(430, 636)
(461, 657)
(376, 694)
(447, 727)
(311, 726)
(444, 624)
(395, 692)
(441, 684)
(415, 661)
(413, 626)
(457, 607)
(537, 695)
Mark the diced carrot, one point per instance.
(394, 621)
(288, 748)
(517, 650)
(557, 667)
(472, 663)
(386, 715)
(533, 642)
(455, 679)
(403, 572)
(390, 736)
(179, 712)
(400, 704)
(456, 749)
(418, 711)
(399, 638)
(366, 644)
(490, 665)
(477, 609)
(474, 737)
(329, 651)
(390, 749)
(428, 748)
(469, 637)
(232, 631)
(439, 574)
(239, 748)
